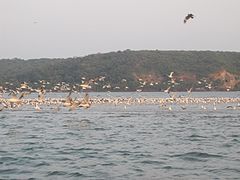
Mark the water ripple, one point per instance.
(56, 173)
(106, 142)
(197, 156)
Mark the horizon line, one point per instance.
(117, 51)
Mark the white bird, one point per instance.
(189, 90)
(36, 107)
(168, 89)
(101, 78)
(171, 75)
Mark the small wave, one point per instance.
(124, 116)
(141, 155)
(192, 155)
(109, 164)
(167, 167)
(28, 158)
(3, 117)
(70, 150)
(235, 135)
(99, 129)
(235, 170)
(31, 178)
(7, 159)
(1, 151)
(227, 145)
(60, 159)
(8, 171)
(55, 173)
(119, 116)
(58, 138)
(144, 132)
(235, 140)
(217, 117)
(85, 121)
(33, 136)
(42, 164)
(138, 170)
(152, 162)
(171, 167)
(29, 117)
(76, 174)
(197, 136)
(122, 152)
(25, 172)
(28, 149)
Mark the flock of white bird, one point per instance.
(24, 96)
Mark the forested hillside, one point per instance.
(145, 70)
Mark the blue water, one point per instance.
(114, 142)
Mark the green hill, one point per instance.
(195, 69)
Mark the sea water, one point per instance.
(121, 142)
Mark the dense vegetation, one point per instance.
(151, 66)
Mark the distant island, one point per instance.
(146, 70)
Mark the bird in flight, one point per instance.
(188, 17)
(171, 75)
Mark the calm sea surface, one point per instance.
(118, 142)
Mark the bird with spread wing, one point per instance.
(189, 16)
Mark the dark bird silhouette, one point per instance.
(188, 17)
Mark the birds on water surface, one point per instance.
(18, 99)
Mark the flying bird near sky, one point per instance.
(188, 17)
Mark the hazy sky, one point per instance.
(67, 28)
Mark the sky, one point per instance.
(68, 28)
